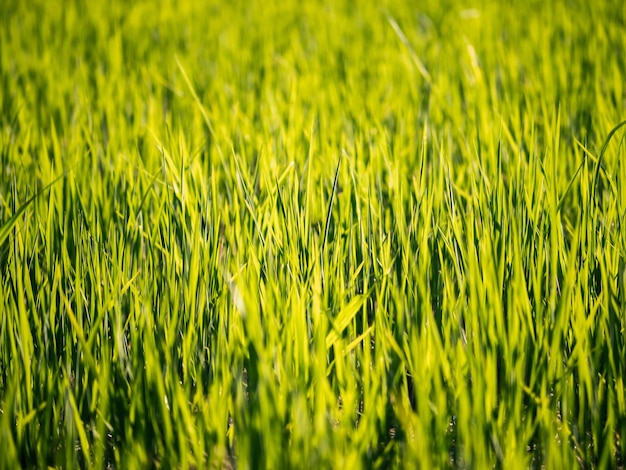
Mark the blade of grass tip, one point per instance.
(596, 172)
(6, 228)
(281, 203)
(569, 187)
(343, 319)
(144, 196)
(328, 217)
(418, 63)
(203, 111)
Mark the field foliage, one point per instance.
(312, 234)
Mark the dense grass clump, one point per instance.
(312, 235)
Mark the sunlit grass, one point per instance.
(312, 236)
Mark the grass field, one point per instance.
(329, 235)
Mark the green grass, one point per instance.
(330, 235)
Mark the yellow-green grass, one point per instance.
(312, 235)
